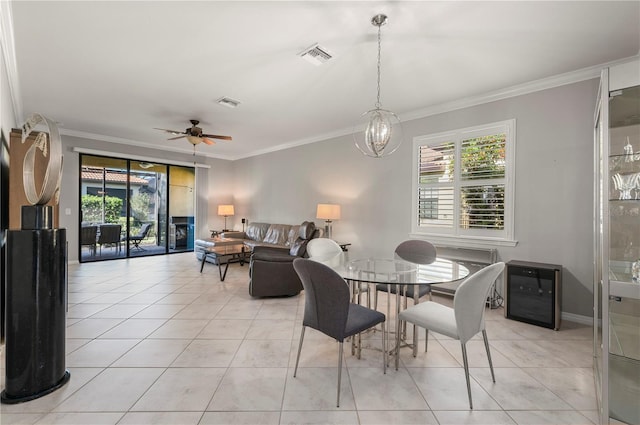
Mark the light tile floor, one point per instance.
(153, 341)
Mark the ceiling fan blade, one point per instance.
(170, 131)
(175, 138)
(215, 136)
(208, 142)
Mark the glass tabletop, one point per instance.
(386, 270)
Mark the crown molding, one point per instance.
(299, 142)
(506, 93)
(516, 90)
(128, 142)
(7, 44)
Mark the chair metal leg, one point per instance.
(375, 298)
(339, 372)
(404, 299)
(384, 350)
(426, 340)
(397, 349)
(299, 350)
(466, 372)
(415, 341)
(486, 346)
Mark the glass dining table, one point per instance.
(366, 273)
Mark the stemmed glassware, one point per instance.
(625, 183)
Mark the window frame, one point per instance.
(455, 235)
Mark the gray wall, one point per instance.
(554, 184)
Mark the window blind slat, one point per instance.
(435, 206)
(483, 157)
(482, 207)
(435, 163)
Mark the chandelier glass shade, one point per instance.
(382, 134)
(379, 132)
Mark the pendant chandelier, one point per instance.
(382, 134)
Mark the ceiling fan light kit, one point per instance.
(379, 132)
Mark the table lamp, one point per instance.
(225, 210)
(328, 212)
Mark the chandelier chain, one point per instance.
(379, 52)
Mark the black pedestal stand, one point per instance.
(36, 304)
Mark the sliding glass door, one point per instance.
(147, 211)
(181, 208)
(133, 208)
(103, 206)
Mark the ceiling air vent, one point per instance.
(228, 102)
(316, 55)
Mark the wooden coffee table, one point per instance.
(223, 255)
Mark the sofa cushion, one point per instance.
(307, 229)
(257, 231)
(277, 234)
(293, 235)
(306, 232)
(270, 253)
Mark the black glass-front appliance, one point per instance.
(533, 293)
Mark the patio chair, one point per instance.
(109, 235)
(142, 234)
(88, 236)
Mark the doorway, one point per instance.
(132, 208)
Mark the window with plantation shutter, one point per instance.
(463, 181)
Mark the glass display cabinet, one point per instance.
(617, 245)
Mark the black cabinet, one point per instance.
(533, 293)
(36, 300)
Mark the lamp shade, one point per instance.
(328, 212)
(225, 210)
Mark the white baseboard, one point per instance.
(577, 318)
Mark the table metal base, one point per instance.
(239, 256)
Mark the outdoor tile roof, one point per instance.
(112, 177)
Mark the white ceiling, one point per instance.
(114, 70)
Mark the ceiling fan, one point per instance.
(194, 135)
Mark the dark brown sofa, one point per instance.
(271, 272)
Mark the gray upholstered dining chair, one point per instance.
(415, 251)
(461, 322)
(328, 309)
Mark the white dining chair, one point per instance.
(461, 322)
(328, 252)
(325, 251)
